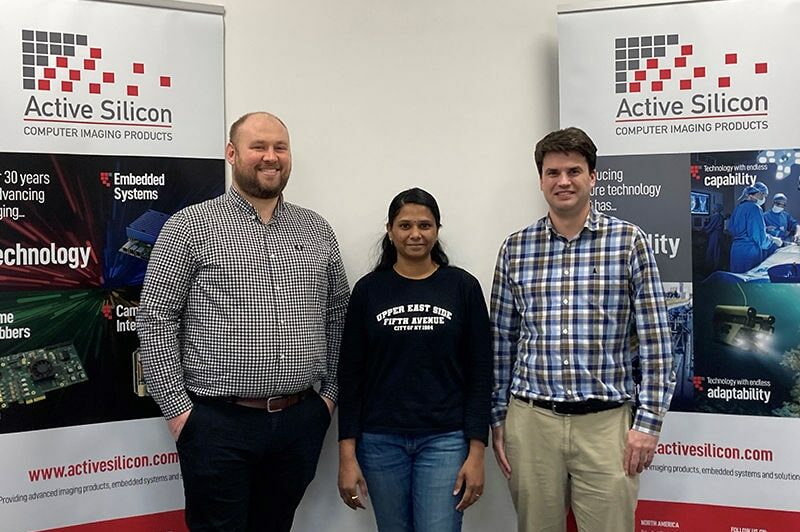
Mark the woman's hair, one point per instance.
(416, 196)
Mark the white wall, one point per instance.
(380, 96)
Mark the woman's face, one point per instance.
(413, 232)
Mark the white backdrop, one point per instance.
(382, 96)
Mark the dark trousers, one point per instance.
(245, 469)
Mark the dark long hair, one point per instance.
(416, 196)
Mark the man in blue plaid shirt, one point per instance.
(577, 298)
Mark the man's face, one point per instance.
(566, 182)
(260, 157)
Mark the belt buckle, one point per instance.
(269, 404)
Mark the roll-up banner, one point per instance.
(692, 106)
(112, 120)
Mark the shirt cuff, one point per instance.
(329, 390)
(647, 422)
(176, 405)
(499, 414)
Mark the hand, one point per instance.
(330, 404)
(499, 446)
(176, 424)
(777, 241)
(639, 452)
(470, 476)
(352, 485)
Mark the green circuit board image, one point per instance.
(27, 376)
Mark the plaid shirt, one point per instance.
(234, 306)
(567, 313)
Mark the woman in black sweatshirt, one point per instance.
(414, 380)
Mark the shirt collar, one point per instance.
(592, 222)
(236, 198)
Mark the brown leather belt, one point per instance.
(576, 408)
(273, 404)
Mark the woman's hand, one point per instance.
(352, 485)
(470, 476)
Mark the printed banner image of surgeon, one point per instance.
(744, 208)
(747, 349)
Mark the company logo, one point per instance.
(105, 179)
(695, 171)
(56, 61)
(664, 78)
(697, 382)
(657, 62)
(63, 74)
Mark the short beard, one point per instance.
(250, 186)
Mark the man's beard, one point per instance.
(249, 184)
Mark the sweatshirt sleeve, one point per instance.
(352, 367)
(477, 342)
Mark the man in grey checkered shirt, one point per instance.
(241, 314)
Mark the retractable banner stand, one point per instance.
(693, 106)
(112, 120)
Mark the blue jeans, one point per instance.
(410, 479)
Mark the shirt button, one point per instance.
(272, 255)
(252, 216)
(277, 288)
(569, 392)
(565, 301)
(566, 272)
(566, 362)
(282, 357)
(564, 331)
(568, 244)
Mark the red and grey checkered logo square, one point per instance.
(65, 62)
(656, 63)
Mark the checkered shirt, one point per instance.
(567, 315)
(232, 306)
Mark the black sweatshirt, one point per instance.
(416, 356)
